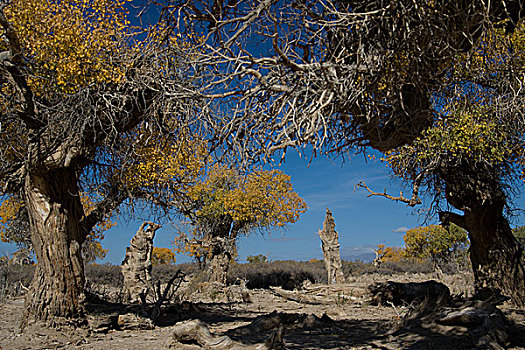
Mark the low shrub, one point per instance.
(106, 274)
(14, 278)
(286, 274)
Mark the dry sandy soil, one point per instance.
(356, 324)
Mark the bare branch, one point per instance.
(413, 201)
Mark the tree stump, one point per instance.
(136, 266)
(330, 246)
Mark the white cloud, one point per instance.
(401, 229)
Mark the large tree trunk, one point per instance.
(495, 254)
(54, 207)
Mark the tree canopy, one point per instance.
(81, 91)
(226, 204)
(471, 158)
(340, 76)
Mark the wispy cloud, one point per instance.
(401, 229)
(364, 253)
(283, 239)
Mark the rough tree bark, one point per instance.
(136, 266)
(496, 255)
(330, 245)
(55, 211)
(221, 253)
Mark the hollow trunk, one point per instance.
(57, 291)
(495, 253)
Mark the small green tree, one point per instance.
(256, 259)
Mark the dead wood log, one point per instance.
(266, 323)
(383, 293)
(299, 297)
(470, 315)
(131, 321)
(482, 323)
(328, 298)
(197, 331)
(487, 324)
(330, 246)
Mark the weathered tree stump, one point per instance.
(136, 266)
(330, 245)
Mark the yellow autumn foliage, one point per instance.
(391, 254)
(424, 242)
(433, 240)
(9, 208)
(70, 43)
(470, 135)
(162, 256)
(264, 197)
(166, 167)
(261, 199)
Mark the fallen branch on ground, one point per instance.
(198, 331)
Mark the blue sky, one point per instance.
(362, 222)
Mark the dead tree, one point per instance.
(136, 266)
(330, 245)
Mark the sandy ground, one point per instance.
(357, 324)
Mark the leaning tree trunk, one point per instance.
(495, 254)
(53, 204)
